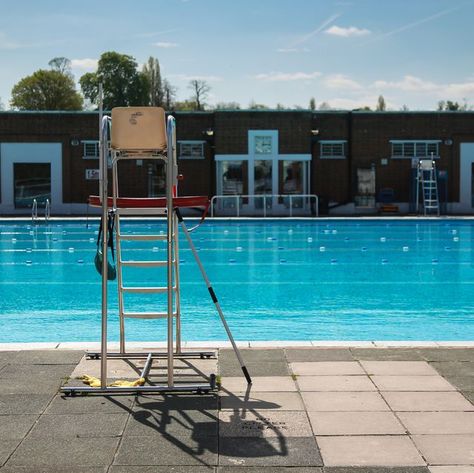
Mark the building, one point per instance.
(350, 159)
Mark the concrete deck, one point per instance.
(309, 410)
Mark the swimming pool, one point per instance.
(276, 280)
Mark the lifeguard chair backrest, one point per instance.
(426, 164)
(138, 129)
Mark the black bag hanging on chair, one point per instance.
(111, 271)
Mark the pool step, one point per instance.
(147, 290)
(144, 264)
(124, 236)
(147, 315)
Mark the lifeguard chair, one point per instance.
(143, 133)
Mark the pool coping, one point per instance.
(242, 344)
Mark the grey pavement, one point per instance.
(309, 410)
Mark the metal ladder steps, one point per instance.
(147, 290)
(145, 264)
(142, 237)
(147, 315)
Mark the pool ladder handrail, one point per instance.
(34, 211)
(47, 210)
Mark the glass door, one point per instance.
(263, 183)
(31, 181)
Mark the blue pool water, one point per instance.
(276, 280)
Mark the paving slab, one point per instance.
(172, 402)
(167, 450)
(253, 355)
(398, 368)
(8, 356)
(412, 383)
(89, 404)
(64, 452)
(438, 422)
(381, 354)
(7, 447)
(463, 383)
(79, 425)
(454, 368)
(48, 357)
(427, 401)
(24, 403)
(289, 401)
(259, 384)
(469, 395)
(115, 369)
(35, 373)
(344, 401)
(175, 423)
(269, 469)
(160, 469)
(446, 449)
(377, 469)
(26, 386)
(264, 424)
(452, 469)
(269, 452)
(355, 423)
(13, 427)
(266, 368)
(318, 354)
(447, 354)
(326, 368)
(369, 450)
(335, 383)
(49, 469)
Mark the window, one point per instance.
(263, 145)
(191, 150)
(332, 149)
(415, 149)
(91, 150)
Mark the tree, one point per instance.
(404, 108)
(2, 107)
(451, 106)
(381, 106)
(151, 70)
(257, 106)
(200, 91)
(46, 90)
(123, 85)
(169, 95)
(325, 106)
(60, 64)
(312, 103)
(227, 106)
(185, 106)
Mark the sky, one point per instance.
(342, 52)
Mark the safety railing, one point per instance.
(265, 205)
(34, 211)
(47, 210)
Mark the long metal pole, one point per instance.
(104, 195)
(171, 138)
(214, 297)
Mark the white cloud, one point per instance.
(340, 81)
(454, 90)
(188, 77)
(347, 32)
(165, 45)
(86, 64)
(308, 36)
(287, 76)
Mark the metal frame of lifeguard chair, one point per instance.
(147, 143)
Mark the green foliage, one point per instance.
(451, 106)
(257, 106)
(185, 106)
(227, 106)
(60, 64)
(169, 95)
(381, 106)
(123, 85)
(46, 90)
(151, 70)
(312, 103)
